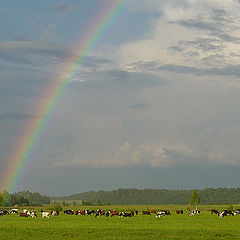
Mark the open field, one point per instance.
(203, 226)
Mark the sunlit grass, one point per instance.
(203, 226)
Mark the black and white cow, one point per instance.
(14, 211)
(225, 213)
(5, 212)
(68, 212)
(193, 212)
(125, 214)
(161, 214)
(237, 212)
(55, 213)
(91, 212)
(214, 211)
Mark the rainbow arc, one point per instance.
(21, 152)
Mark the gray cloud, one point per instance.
(204, 44)
(20, 38)
(12, 115)
(198, 24)
(63, 7)
(36, 53)
(228, 70)
(141, 106)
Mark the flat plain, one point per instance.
(202, 226)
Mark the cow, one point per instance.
(14, 211)
(222, 214)
(193, 212)
(24, 210)
(179, 211)
(91, 212)
(68, 212)
(153, 211)
(54, 213)
(136, 212)
(167, 212)
(33, 214)
(79, 212)
(23, 214)
(225, 213)
(161, 214)
(107, 214)
(146, 213)
(45, 214)
(125, 214)
(5, 212)
(237, 212)
(114, 213)
(214, 211)
(229, 212)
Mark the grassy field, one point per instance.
(203, 226)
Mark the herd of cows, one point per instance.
(111, 213)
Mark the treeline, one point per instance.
(24, 198)
(158, 196)
(34, 197)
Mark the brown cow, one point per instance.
(80, 212)
(153, 211)
(146, 213)
(23, 215)
(114, 213)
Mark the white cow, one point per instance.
(45, 214)
(33, 214)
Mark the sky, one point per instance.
(154, 104)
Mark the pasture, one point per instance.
(203, 226)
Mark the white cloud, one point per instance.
(209, 29)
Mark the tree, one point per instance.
(6, 198)
(1, 199)
(195, 199)
(98, 202)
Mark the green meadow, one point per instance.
(203, 226)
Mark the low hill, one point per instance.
(157, 196)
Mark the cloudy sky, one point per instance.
(154, 105)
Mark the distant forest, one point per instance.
(156, 196)
(24, 198)
(125, 197)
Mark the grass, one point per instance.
(203, 226)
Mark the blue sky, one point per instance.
(158, 94)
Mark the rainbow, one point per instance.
(33, 128)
